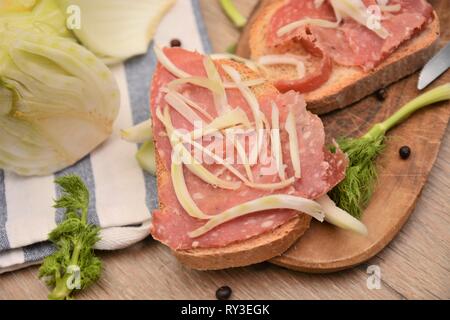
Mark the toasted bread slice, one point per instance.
(244, 253)
(253, 250)
(346, 84)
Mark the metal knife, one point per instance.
(435, 67)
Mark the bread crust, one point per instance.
(255, 250)
(251, 251)
(346, 84)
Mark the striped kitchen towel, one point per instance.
(122, 195)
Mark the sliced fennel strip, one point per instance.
(182, 108)
(357, 10)
(339, 217)
(272, 186)
(180, 187)
(288, 59)
(294, 149)
(220, 99)
(235, 117)
(391, 8)
(354, 9)
(214, 156)
(233, 170)
(139, 133)
(244, 159)
(211, 85)
(174, 135)
(229, 56)
(252, 102)
(265, 203)
(247, 83)
(230, 119)
(191, 163)
(189, 102)
(266, 124)
(166, 63)
(318, 3)
(146, 157)
(276, 141)
(307, 21)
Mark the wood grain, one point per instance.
(415, 265)
(324, 248)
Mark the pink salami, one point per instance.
(296, 10)
(321, 170)
(353, 44)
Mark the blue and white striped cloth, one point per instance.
(122, 196)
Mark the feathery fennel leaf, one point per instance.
(354, 192)
(73, 266)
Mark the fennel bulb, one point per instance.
(43, 16)
(58, 102)
(13, 6)
(116, 30)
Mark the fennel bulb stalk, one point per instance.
(355, 191)
(233, 13)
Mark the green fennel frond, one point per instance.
(74, 240)
(75, 194)
(355, 191)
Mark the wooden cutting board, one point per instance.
(325, 248)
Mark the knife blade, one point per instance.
(435, 67)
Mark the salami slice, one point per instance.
(320, 170)
(353, 44)
(296, 10)
(369, 50)
(313, 80)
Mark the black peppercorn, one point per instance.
(381, 94)
(404, 152)
(175, 43)
(223, 293)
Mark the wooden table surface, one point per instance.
(416, 265)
